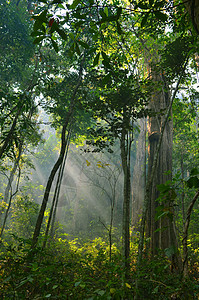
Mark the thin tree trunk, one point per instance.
(183, 193)
(57, 164)
(55, 197)
(185, 235)
(52, 231)
(125, 145)
(8, 208)
(12, 173)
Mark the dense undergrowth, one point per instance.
(73, 270)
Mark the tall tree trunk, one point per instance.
(185, 235)
(125, 146)
(149, 182)
(159, 239)
(11, 195)
(192, 6)
(183, 193)
(52, 230)
(139, 175)
(58, 163)
(161, 231)
(12, 173)
(52, 215)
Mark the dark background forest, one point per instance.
(99, 149)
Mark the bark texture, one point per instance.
(138, 183)
(192, 6)
(161, 230)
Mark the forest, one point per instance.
(99, 149)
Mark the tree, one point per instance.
(106, 54)
(58, 163)
(118, 104)
(139, 175)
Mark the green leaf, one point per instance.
(193, 182)
(144, 20)
(61, 6)
(155, 291)
(55, 46)
(77, 49)
(194, 172)
(160, 16)
(83, 44)
(62, 33)
(72, 49)
(100, 292)
(42, 17)
(37, 33)
(77, 283)
(71, 35)
(106, 11)
(105, 57)
(119, 29)
(37, 25)
(38, 40)
(78, 24)
(79, 16)
(119, 11)
(106, 60)
(56, 2)
(55, 286)
(103, 15)
(74, 4)
(106, 79)
(163, 188)
(106, 64)
(142, 6)
(170, 251)
(96, 60)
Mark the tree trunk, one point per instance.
(12, 195)
(185, 235)
(52, 215)
(125, 146)
(57, 164)
(192, 6)
(183, 193)
(139, 175)
(12, 173)
(161, 231)
(52, 230)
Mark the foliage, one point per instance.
(70, 269)
(16, 50)
(115, 44)
(22, 218)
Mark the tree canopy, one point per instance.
(99, 124)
